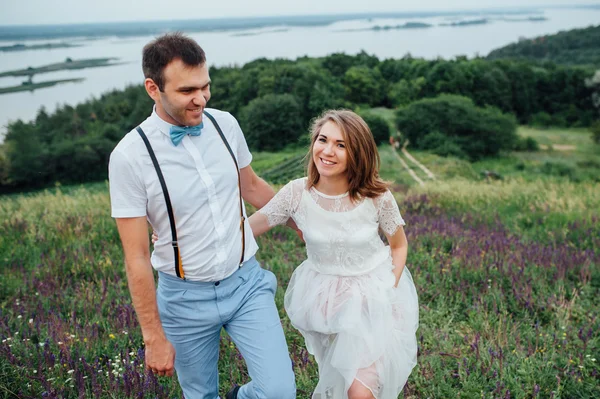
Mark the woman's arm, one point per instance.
(399, 248)
(391, 222)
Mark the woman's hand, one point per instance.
(154, 237)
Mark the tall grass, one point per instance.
(508, 276)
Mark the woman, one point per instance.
(353, 299)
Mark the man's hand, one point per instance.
(160, 357)
(160, 354)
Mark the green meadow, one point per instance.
(507, 270)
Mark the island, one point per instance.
(30, 86)
(41, 46)
(467, 23)
(408, 25)
(60, 66)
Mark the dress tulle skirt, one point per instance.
(357, 327)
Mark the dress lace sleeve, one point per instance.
(285, 203)
(388, 213)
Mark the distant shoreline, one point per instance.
(42, 46)
(35, 86)
(59, 66)
(145, 28)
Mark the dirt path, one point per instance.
(419, 164)
(408, 169)
(559, 147)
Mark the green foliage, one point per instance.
(404, 91)
(73, 144)
(526, 144)
(558, 169)
(4, 168)
(272, 122)
(338, 63)
(27, 156)
(478, 132)
(379, 127)
(442, 145)
(289, 169)
(596, 132)
(542, 119)
(506, 272)
(364, 85)
(446, 77)
(529, 90)
(573, 47)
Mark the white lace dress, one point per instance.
(342, 298)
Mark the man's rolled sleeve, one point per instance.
(127, 192)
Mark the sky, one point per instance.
(36, 12)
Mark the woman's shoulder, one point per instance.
(384, 195)
(383, 198)
(300, 183)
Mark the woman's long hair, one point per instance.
(362, 160)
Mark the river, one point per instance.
(239, 47)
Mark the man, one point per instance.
(217, 283)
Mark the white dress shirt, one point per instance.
(203, 186)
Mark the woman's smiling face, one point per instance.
(329, 151)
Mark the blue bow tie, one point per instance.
(177, 133)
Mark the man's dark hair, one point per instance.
(161, 51)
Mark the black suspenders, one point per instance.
(174, 243)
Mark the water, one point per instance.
(237, 48)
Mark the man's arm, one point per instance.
(160, 354)
(255, 190)
(258, 193)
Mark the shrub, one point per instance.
(478, 132)
(558, 169)
(443, 145)
(526, 144)
(272, 122)
(596, 132)
(379, 127)
(364, 85)
(541, 119)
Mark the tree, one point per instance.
(446, 77)
(364, 85)
(272, 122)
(339, 63)
(4, 168)
(404, 92)
(27, 156)
(379, 127)
(594, 84)
(478, 132)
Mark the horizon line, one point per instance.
(435, 12)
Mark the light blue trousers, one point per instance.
(192, 314)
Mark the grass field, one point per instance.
(507, 271)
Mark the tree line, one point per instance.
(573, 47)
(274, 101)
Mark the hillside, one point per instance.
(573, 47)
(506, 272)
